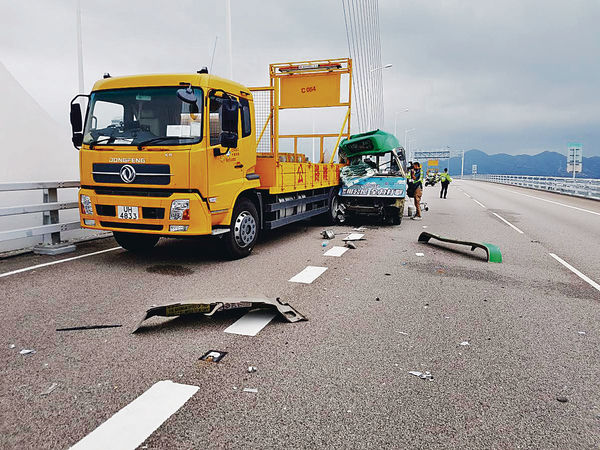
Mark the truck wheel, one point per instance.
(333, 202)
(243, 233)
(136, 242)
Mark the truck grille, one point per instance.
(141, 173)
(136, 192)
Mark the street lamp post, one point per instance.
(406, 139)
(381, 112)
(396, 122)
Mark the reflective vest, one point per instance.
(445, 177)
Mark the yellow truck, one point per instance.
(178, 155)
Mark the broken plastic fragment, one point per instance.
(213, 356)
(464, 343)
(351, 245)
(420, 254)
(210, 307)
(423, 376)
(252, 369)
(324, 244)
(581, 332)
(252, 390)
(26, 351)
(328, 234)
(50, 389)
(12, 346)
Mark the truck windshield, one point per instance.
(153, 116)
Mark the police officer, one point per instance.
(445, 179)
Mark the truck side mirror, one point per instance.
(229, 115)
(228, 139)
(76, 125)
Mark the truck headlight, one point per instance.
(180, 210)
(86, 205)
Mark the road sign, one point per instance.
(434, 154)
(474, 169)
(433, 162)
(574, 158)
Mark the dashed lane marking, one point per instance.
(479, 203)
(508, 223)
(336, 251)
(466, 194)
(26, 269)
(132, 425)
(308, 275)
(576, 272)
(251, 323)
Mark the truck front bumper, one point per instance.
(153, 214)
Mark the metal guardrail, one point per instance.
(578, 187)
(51, 228)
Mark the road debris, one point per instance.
(562, 399)
(26, 351)
(324, 244)
(88, 327)
(251, 390)
(423, 376)
(328, 234)
(387, 274)
(50, 389)
(420, 254)
(213, 356)
(377, 299)
(252, 369)
(351, 245)
(402, 333)
(581, 332)
(354, 237)
(464, 343)
(12, 346)
(210, 307)
(361, 228)
(335, 251)
(492, 251)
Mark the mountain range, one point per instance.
(549, 164)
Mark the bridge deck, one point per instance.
(341, 378)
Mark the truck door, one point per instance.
(225, 171)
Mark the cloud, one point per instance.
(509, 76)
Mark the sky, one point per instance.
(517, 76)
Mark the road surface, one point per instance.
(340, 379)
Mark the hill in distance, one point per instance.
(550, 164)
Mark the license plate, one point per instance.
(128, 212)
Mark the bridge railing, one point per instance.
(51, 228)
(578, 187)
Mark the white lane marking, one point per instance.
(576, 272)
(479, 203)
(5, 274)
(336, 251)
(132, 425)
(308, 275)
(354, 237)
(466, 194)
(251, 323)
(551, 201)
(508, 223)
